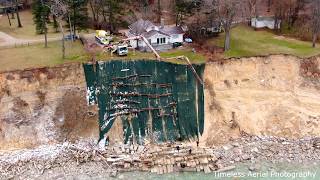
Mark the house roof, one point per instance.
(152, 33)
(265, 18)
(172, 30)
(140, 26)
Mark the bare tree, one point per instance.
(96, 8)
(12, 9)
(59, 10)
(17, 12)
(269, 5)
(294, 9)
(7, 13)
(315, 21)
(159, 11)
(280, 9)
(253, 8)
(227, 11)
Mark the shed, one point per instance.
(264, 22)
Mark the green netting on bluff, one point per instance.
(156, 100)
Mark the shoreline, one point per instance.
(164, 158)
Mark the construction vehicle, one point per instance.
(103, 37)
(119, 49)
(147, 43)
(122, 50)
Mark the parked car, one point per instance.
(69, 37)
(188, 40)
(176, 44)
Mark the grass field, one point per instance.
(28, 30)
(136, 55)
(37, 56)
(193, 57)
(247, 42)
(244, 42)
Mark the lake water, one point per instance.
(266, 171)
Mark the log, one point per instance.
(206, 169)
(224, 169)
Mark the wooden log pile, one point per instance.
(160, 159)
(165, 158)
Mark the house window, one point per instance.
(149, 41)
(161, 40)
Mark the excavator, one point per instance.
(103, 37)
(121, 47)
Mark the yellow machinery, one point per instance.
(103, 37)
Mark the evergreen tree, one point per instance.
(113, 9)
(40, 16)
(78, 13)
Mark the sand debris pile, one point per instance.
(163, 158)
(159, 159)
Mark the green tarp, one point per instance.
(156, 100)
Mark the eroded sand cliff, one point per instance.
(44, 105)
(277, 95)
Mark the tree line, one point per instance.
(110, 14)
(229, 13)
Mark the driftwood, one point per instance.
(130, 76)
(133, 110)
(135, 94)
(159, 159)
(125, 77)
(120, 84)
(119, 101)
(166, 115)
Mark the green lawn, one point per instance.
(247, 42)
(28, 30)
(137, 55)
(193, 57)
(36, 55)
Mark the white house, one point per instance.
(264, 22)
(160, 37)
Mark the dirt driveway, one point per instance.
(7, 40)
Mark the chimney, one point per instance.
(162, 23)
